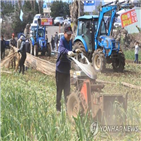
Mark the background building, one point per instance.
(91, 5)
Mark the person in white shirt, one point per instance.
(136, 52)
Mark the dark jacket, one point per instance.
(22, 48)
(63, 63)
(27, 46)
(13, 42)
(3, 46)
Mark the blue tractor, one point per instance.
(39, 42)
(95, 40)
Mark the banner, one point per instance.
(46, 21)
(128, 18)
(21, 15)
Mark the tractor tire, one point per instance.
(79, 45)
(73, 106)
(119, 63)
(35, 50)
(48, 50)
(98, 61)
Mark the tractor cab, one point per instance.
(41, 33)
(87, 26)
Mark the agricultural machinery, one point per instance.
(96, 41)
(38, 41)
(89, 98)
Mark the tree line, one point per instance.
(29, 8)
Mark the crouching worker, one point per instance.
(63, 66)
(22, 50)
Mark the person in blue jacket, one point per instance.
(63, 66)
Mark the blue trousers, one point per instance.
(136, 58)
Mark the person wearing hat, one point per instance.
(63, 66)
(13, 42)
(22, 50)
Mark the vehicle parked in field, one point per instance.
(39, 42)
(58, 20)
(95, 40)
(67, 21)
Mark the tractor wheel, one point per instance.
(99, 61)
(79, 45)
(48, 50)
(119, 63)
(73, 106)
(35, 50)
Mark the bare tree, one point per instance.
(19, 4)
(34, 2)
(76, 10)
(40, 5)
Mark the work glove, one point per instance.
(70, 53)
(78, 51)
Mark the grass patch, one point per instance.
(28, 108)
(130, 55)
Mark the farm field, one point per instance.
(28, 108)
